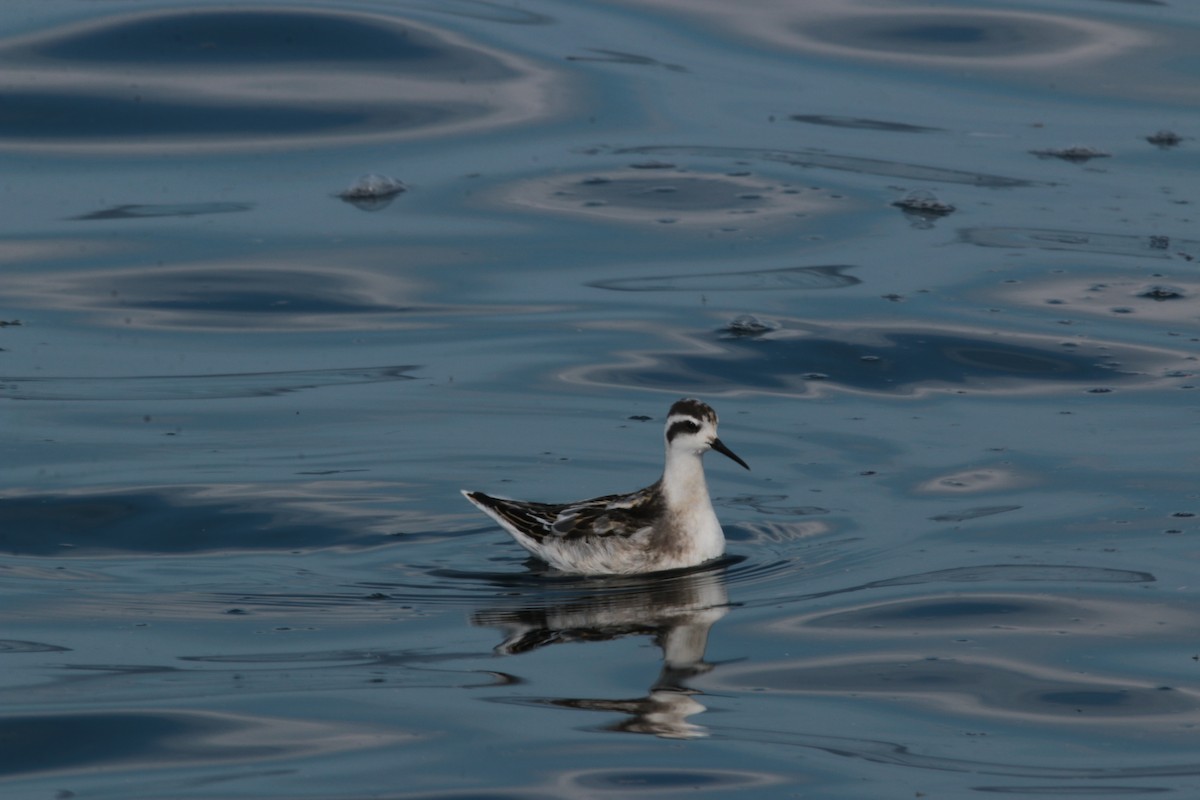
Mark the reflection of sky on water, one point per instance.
(135, 739)
(1059, 51)
(235, 78)
(238, 296)
(248, 499)
(804, 359)
(186, 519)
(977, 688)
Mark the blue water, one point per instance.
(237, 406)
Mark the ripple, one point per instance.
(826, 160)
(896, 754)
(193, 387)
(806, 359)
(1133, 296)
(237, 296)
(656, 781)
(974, 687)
(759, 280)
(538, 586)
(157, 740)
(1088, 790)
(177, 520)
(671, 195)
(973, 513)
(531, 586)
(986, 573)
(981, 614)
(958, 38)
(931, 37)
(1151, 246)
(979, 479)
(248, 78)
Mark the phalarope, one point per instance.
(668, 525)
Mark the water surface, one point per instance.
(238, 409)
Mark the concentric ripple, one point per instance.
(672, 196)
(800, 358)
(233, 78)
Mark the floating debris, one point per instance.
(1077, 153)
(1161, 293)
(1164, 138)
(749, 325)
(925, 203)
(372, 191)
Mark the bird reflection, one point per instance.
(677, 609)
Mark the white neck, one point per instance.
(689, 508)
(683, 481)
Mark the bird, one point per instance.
(670, 524)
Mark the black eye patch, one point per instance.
(682, 426)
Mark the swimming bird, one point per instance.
(667, 525)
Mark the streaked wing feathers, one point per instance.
(612, 515)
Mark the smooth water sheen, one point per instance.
(277, 279)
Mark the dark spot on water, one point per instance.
(942, 34)
(143, 211)
(1076, 153)
(644, 780)
(1093, 699)
(1164, 139)
(973, 513)
(819, 277)
(862, 124)
(19, 646)
(618, 57)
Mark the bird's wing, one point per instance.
(620, 515)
